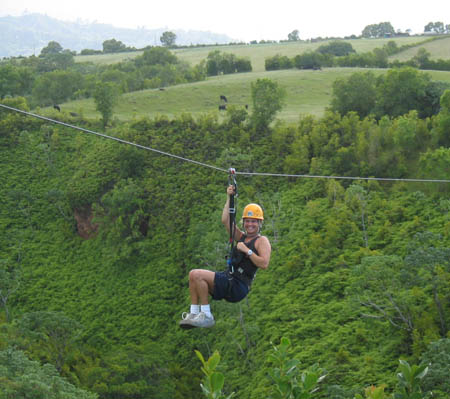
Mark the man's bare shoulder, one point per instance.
(264, 240)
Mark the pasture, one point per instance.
(257, 53)
(438, 49)
(308, 92)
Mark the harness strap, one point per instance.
(232, 216)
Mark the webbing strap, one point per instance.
(232, 215)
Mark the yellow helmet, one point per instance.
(253, 211)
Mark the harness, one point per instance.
(244, 269)
(239, 265)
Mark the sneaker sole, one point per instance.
(186, 326)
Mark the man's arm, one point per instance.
(262, 245)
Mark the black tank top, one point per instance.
(243, 267)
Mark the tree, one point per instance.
(52, 331)
(9, 283)
(243, 65)
(267, 98)
(15, 80)
(24, 378)
(293, 36)
(212, 63)
(435, 27)
(218, 62)
(356, 93)
(56, 86)
(383, 29)
(430, 103)
(53, 61)
(437, 356)
(442, 123)
(378, 288)
(156, 56)
(168, 39)
(113, 46)
(309, 60)
(400, 91)
(51, 48)
(422, 58)
(106, 96)
(428, 265)
(278, 62)
(337, 48)
(357, 199)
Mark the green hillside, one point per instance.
(106, 234)
(308, 93)
(438, 49)
(257, 53)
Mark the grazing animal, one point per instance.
(162, 89)
(246, 106)
(222, 107)
(73, 114)
(56, 106)
(222, 97)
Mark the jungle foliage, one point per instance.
(98, 239)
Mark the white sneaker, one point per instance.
(186, 320)
(202, 320)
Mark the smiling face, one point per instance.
(251, 226)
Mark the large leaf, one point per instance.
(217, 381)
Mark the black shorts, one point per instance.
(229, 288)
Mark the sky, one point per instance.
(244, 20)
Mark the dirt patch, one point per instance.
(85, 228)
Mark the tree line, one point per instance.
(54, 77)
(339, 53)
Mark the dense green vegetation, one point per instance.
(98, 239)
(393, 94)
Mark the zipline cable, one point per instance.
(344, 177)
(215, 167)
(112, 138)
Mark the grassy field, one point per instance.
(437, 49)
(257, 53)
(308, 92)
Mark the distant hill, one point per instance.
(28, 34)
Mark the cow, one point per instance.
(222, 97)
(56, 106)
(222, 107)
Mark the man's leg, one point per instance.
(201, 284)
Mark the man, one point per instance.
(252, 252)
